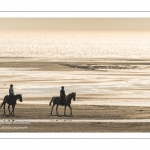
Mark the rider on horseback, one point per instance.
(11, 93)
(62, 95)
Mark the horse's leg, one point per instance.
(14, 110)
(70, 109)
(9, 109)
(13, 107)
(4, 109)
(65, 110)
(57, 109)
(52, 109)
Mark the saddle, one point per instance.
(9, 99)
(62, 101)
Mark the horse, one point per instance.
(12, 102)
(67, 102)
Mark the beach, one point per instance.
(112, 94)
(109, 71)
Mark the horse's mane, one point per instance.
(18, 95)
(69, 94)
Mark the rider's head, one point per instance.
(62, 87)
(11, 85)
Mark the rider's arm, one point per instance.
(64, 93)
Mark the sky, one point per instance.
(137, 24)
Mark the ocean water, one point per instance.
(75, 44)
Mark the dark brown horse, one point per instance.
(12, 102)
(67, 102)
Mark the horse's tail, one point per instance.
(51, 101)
(2, 105)
(3, 102)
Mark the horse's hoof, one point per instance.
(64, 114)
(70, 114)
(50, 113)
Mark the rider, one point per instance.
(62, 95)
(11, 93)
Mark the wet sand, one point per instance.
(107, 89)
(36, 118)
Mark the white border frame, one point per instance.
(115, 8)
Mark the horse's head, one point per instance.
(74, 96)
(19, 96)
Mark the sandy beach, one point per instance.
(112, 94)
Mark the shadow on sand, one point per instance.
(10, 116)
(62, 115)
(65, 116)
(53, 115)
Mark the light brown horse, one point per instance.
(67, 102)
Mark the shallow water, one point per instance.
(47, 83)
